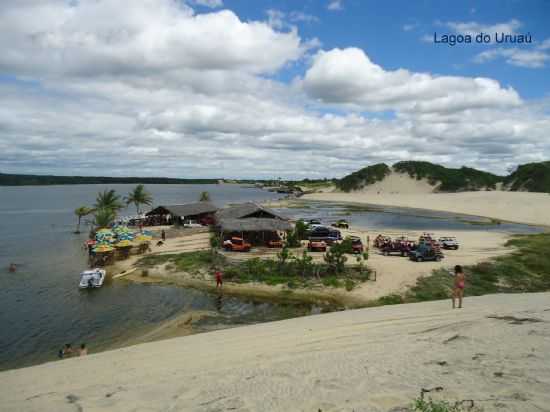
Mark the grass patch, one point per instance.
(527, 269)
(189, 261)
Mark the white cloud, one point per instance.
(297, 16)
(348, 76)
(335, 5)
(409, 27)
(545, 45)
(164, 91)
(472, 28)
(208, 3)
(532, 59)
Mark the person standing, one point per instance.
(83, 351)
(459, 285)
(163, 235)
(219, 279)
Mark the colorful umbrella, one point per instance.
(143, 238)
(102, 248)
(123, 243)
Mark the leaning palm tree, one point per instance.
(204, 197)
(139, 196)
(80, 212)
(108, 199)
(104, 217)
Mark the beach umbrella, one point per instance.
(143, 238)
(90, 242)
(103, 248)
(123, 243)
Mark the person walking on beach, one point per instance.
(83, 351)
(459, 284)
(219, 279)
(163, 235)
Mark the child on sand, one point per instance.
(83, 350)
(459, 284)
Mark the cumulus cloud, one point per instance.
(533, 59)
(161, 90)
(472, 28)
(208, 3)
(335, 5)
(348, 76)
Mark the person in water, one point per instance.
(12, 268)
(458, 288)
(83, 351)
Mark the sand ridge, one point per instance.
(494, 351)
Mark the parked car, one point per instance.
(275, 243)
(312, 222)
(328, 235)
(317, 246)
(191, 224)
(342, 224)
(448, 242)
(356, 245)
(425, 252)
(399, 247)
(237, 244)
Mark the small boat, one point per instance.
(92, 278)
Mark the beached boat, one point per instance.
(92, 278)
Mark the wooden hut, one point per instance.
(200, 212)
(254, 223)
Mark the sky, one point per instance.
(267, 89)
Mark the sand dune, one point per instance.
(521, 207)
(494, 351)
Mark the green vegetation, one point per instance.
(366, 176)
(42, 180)
(422, 405)
(80, 212)
(532, 177)
(188, 261)
(204, 197)
(108, 199)
(449, 180)
(139, 196)
(527, 269)
(104, 217)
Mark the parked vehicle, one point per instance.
(237, 244)
(380, 240)
(312, 222)
(275, 243)
(317, 246)
(90, 279)
(356, 245)
(448, 242)
(397, 247)
(207, 221)
(342, 224)
(191, 224)
(425, 252)
(328, 235)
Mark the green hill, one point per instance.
(447, 179)
(366, 176)
(531, 177)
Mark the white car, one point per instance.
(191, 223)
(448, 242)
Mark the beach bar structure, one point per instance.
(202, 212)
(254, 223)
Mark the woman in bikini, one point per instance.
(458, 289)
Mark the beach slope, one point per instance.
(494, 351)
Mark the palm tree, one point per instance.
(138, 197)
(104, 217)
(81, 212)
(204, 197)
(108, 199)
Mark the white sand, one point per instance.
(362, 360)
(521, 207)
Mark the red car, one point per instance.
(317, 246)
(275, 243)
(237, 244)
(356, 245)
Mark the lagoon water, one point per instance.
(41, 307)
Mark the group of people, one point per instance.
(67, 351)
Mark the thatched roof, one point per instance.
(246, 211)
(253, 224)
(187, 209)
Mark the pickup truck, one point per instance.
(237, 244)
(425, 252)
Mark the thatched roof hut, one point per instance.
(254, 224)
(246, 211)
(184, 210)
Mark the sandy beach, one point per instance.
(520, 207)
(494, 351)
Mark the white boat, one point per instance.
(92, 278)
